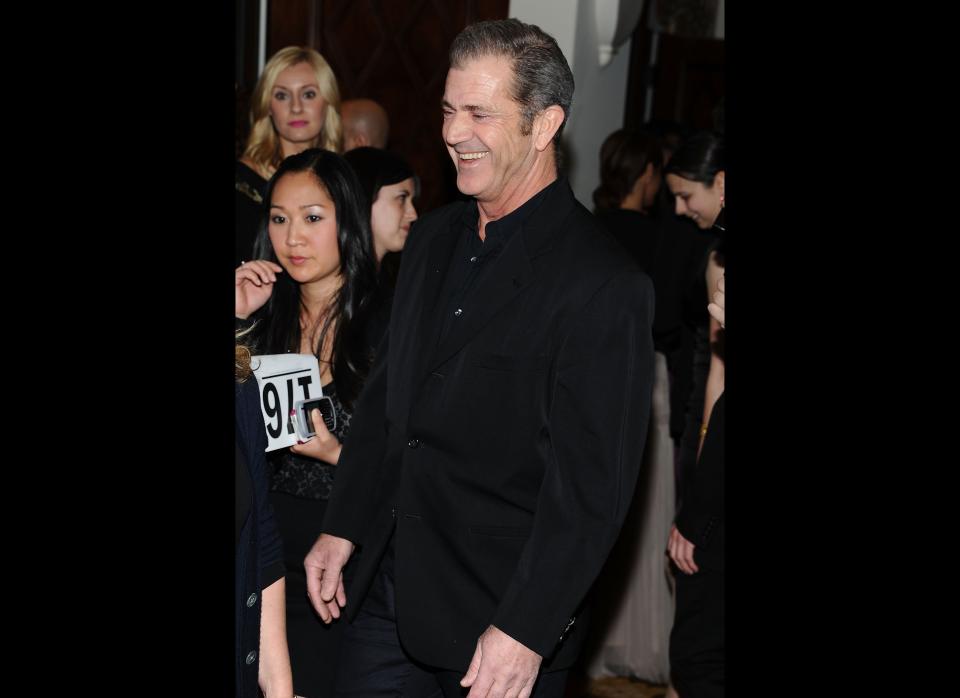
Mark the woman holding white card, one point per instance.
(309, 292)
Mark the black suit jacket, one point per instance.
(506, 455)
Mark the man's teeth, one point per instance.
(472, 156)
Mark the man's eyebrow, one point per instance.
(466, 107)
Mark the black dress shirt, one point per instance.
(473, 258)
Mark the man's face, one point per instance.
(481, 128)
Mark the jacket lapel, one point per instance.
(438, 260)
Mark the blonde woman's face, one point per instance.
(296, 108)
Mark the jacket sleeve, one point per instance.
(353, 498)
(361, 470)
(600, 409)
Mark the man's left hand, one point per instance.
(501, 667)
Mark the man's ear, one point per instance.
(545, 126)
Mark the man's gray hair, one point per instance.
(541, 75)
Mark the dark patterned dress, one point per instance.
(299, 489)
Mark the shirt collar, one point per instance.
(503, 228)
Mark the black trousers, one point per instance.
(696, 641)
(314, 646)
(373, 664)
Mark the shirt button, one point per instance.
(414, 443)
(458, 312)
(252, 599)
(252, 657)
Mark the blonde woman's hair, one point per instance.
(263, 144)
(243, 356)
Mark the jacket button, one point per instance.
(252, 657)
(414, 443)
(252, 599)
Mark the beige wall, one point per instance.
(599, 98)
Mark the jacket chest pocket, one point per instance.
(515, 364)
(510, 384)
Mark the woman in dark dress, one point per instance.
(696, 177)
(309, 291)
(295, 105)
(262, 659)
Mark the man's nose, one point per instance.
(457, 129)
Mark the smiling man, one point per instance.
(495, 449)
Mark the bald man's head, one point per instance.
(364, 123)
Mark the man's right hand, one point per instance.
(254, 281)
(324, 566)
(681, 551)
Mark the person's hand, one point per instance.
(681, 552)
(254, 282)
(324, 446)
(324, 567)
(716, 309)
(501, 667)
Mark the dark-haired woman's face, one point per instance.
(303, 228)
(696, 201)
(391, 216)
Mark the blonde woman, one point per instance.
(295, 106)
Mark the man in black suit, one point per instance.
(495, 450)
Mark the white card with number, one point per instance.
(283, 379)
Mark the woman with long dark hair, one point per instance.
(309, 292)
(389, 188)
